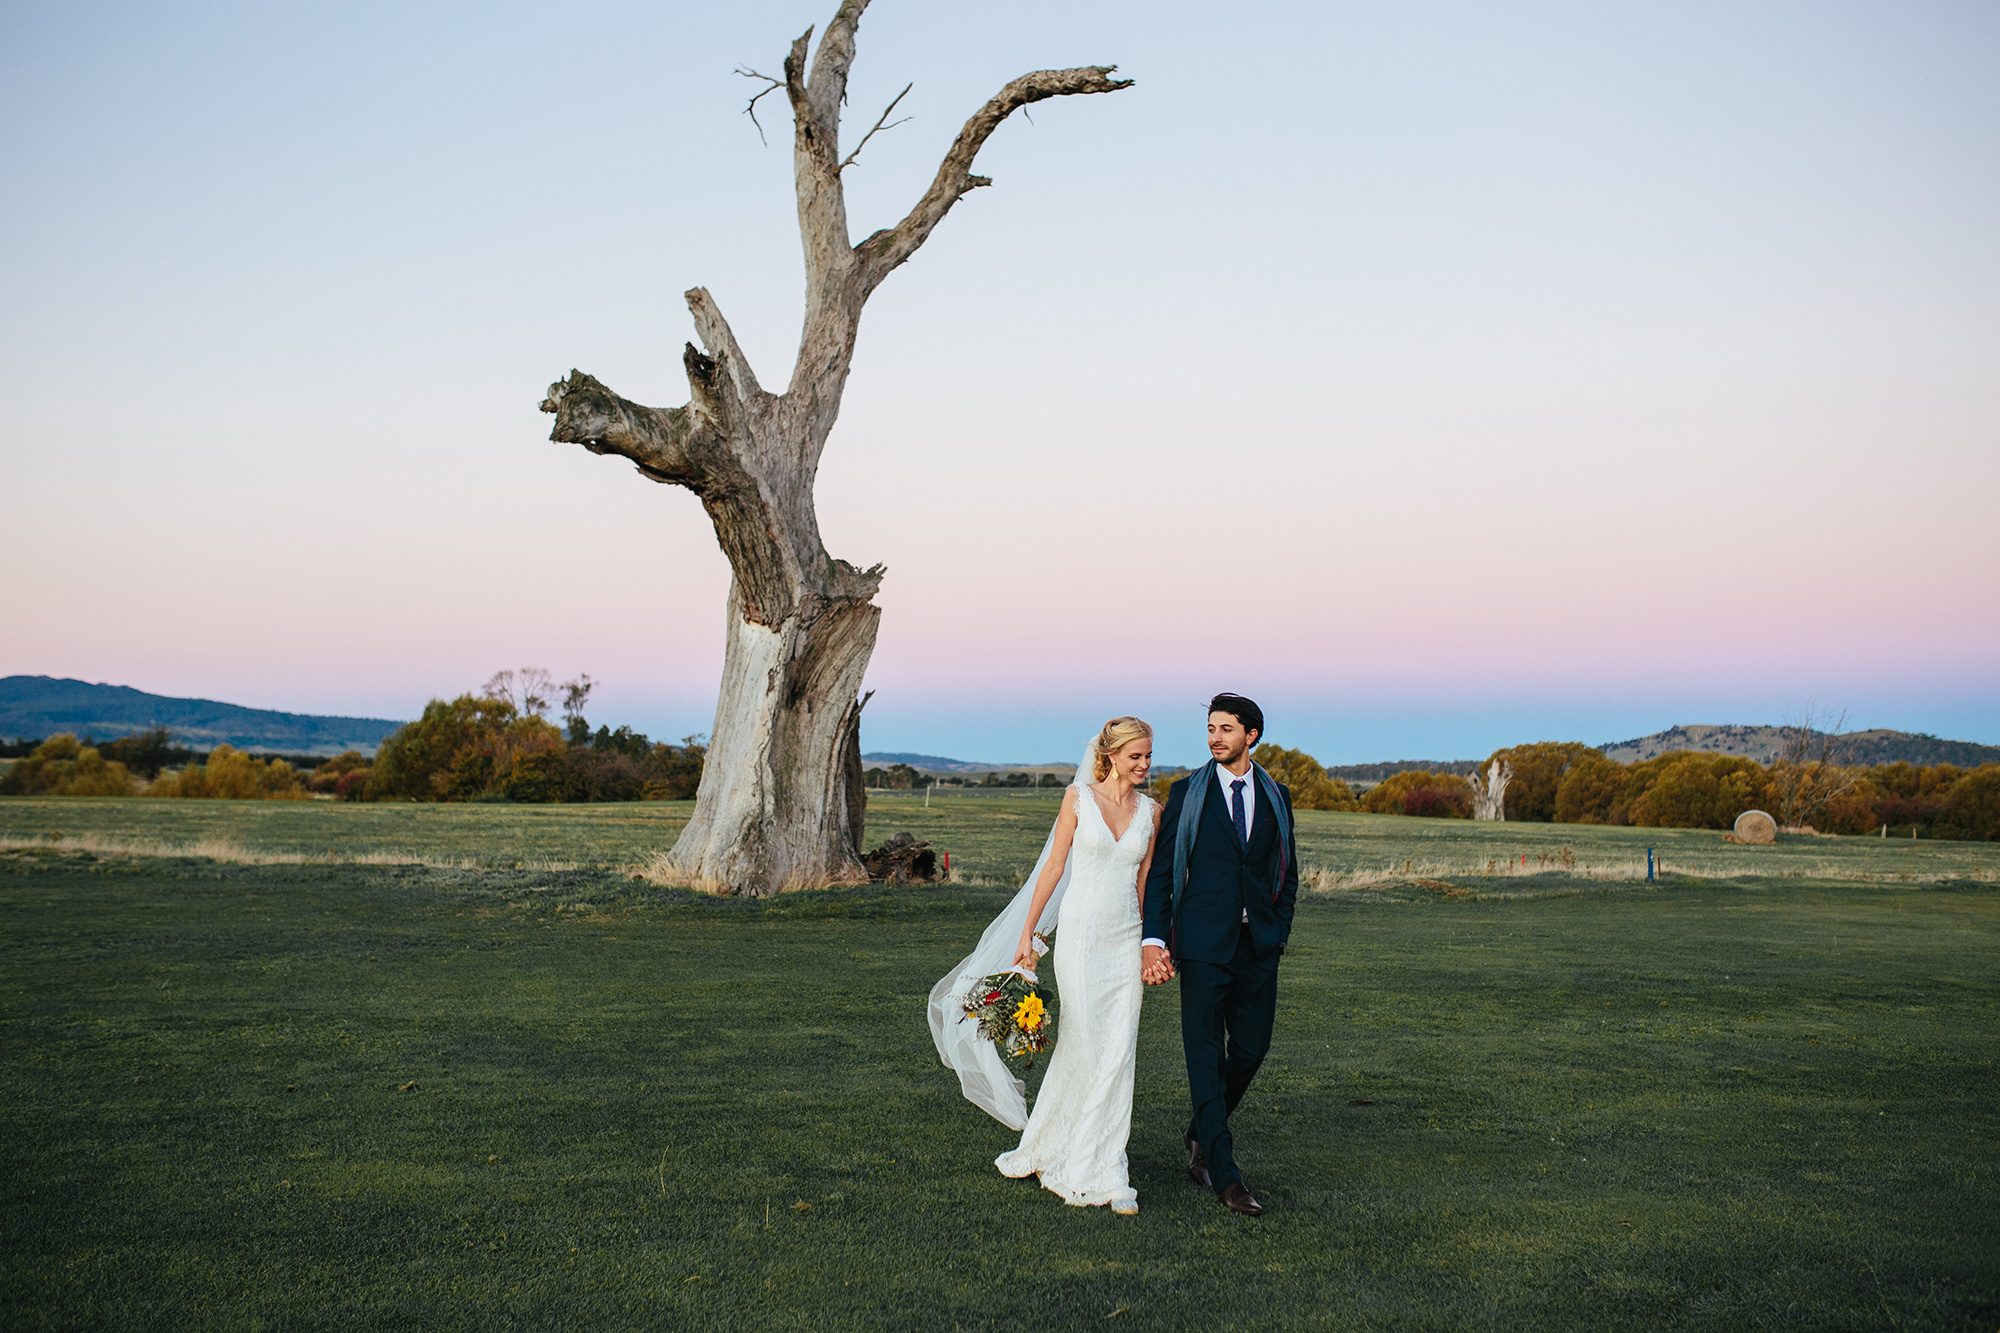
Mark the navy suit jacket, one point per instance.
(1224, 881)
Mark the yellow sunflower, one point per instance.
(1028, 1017)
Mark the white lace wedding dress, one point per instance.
(1076, 1135)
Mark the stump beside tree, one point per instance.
(781, 798)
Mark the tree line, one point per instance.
(496, 745)
(499, 745)
(1566, 782)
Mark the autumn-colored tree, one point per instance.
(523, 758)
(1313, 788)
(1700, 791)
(230, 775)
(1810, 770)
(1911, 780)
(1853, 811)
(1589, 789)
(1539, 769)
(1398, 795)
(1597, 790)
(343, 777)
(60, 766)
(1972, 808)
(415, 764)
(673, 772)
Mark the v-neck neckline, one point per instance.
(1116, 836)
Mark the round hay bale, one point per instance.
(1756, 827)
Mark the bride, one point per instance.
(1088, 881)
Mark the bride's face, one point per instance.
(1132, 761)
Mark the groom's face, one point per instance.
(1227, 740)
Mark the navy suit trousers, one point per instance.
(1227, 1013)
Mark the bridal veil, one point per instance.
(983, 1075)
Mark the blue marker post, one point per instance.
(1649, 865)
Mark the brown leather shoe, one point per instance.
(1198, 1166)
(1237, 1200)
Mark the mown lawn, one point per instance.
(336, 1096)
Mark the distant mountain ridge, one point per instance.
(934, 763)
(1880, 746)
(37, 707)
(1389, 768)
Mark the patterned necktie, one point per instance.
(1236, 813)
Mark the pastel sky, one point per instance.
(1443, 375)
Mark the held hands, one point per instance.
(1156, 966)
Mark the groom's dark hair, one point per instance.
(1240, 708)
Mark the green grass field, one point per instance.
(993, 838)
(516, 1088)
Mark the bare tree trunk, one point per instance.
(780, 800)
(1489, 795)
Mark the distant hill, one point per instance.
(1764, 744)
(932, 763)
(1373, 773)
(40, 706)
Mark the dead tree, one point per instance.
(1811, 769)
(1489, 795)
(780, 804)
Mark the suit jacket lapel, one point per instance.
(1217, 804)
(1262, 821)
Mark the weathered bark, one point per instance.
(1489, 794)
(780, 800)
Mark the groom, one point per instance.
(1219, 899)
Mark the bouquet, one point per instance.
(1012, 1013)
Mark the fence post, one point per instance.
(1649, 865)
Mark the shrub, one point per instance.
(344, 777)
(1313, 788)
(1390, 796)
(1438, 803)
(60, 766)
(229, 774)
(591, 774)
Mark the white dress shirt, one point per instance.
(1226, 780)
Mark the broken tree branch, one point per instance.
(883, 252)
(751, 110)
(656, 439)
(847, 161)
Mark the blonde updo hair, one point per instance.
(1116, 735)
